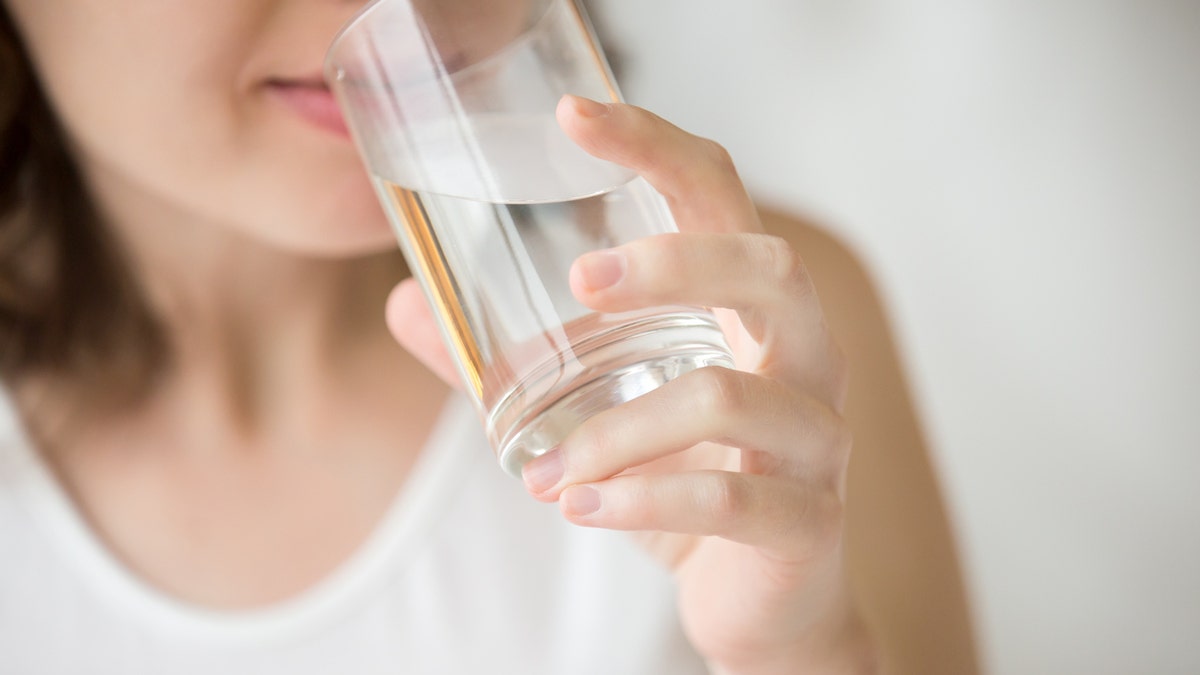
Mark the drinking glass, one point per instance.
(451, 104)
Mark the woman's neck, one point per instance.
(260, 337)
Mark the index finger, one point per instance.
(695, 175)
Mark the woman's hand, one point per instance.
(733, 478)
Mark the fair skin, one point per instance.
(279, 412)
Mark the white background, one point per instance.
(1023, 179)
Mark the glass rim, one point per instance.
(350, 25)
(362, 15)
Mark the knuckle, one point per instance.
(825, 440)
(587, 447)
(817, 526)
(782, 263)
(639, 503)
(717, 156)
(827, 528)
(730, 500)
(640, 123)
(832, 435)
(640, 139)
(721, 391)
(841, 438)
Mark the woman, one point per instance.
(217, 459)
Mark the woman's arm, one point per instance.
(900, 549)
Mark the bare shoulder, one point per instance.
(900, 547)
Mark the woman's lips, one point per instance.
(312, 101)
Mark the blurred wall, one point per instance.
(1023, 178)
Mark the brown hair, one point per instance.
(69, 310)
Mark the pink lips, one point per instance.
(311, 99)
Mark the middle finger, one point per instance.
(759, 276)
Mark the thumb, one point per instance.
(414, 327)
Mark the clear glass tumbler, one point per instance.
(451, 104)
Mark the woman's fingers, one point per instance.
(414, 327)
(756, 274)
(779, 513)
(696, 175)
(759, 276)
(786, 432)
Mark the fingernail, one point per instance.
(581, 500)
(543, 473)
(602, 269)
(586, 107)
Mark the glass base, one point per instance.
(616, 372)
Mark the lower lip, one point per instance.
(315, 105)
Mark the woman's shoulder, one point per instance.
(902, 557)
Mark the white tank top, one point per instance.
(464, 574)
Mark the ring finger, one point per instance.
(786, 432)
